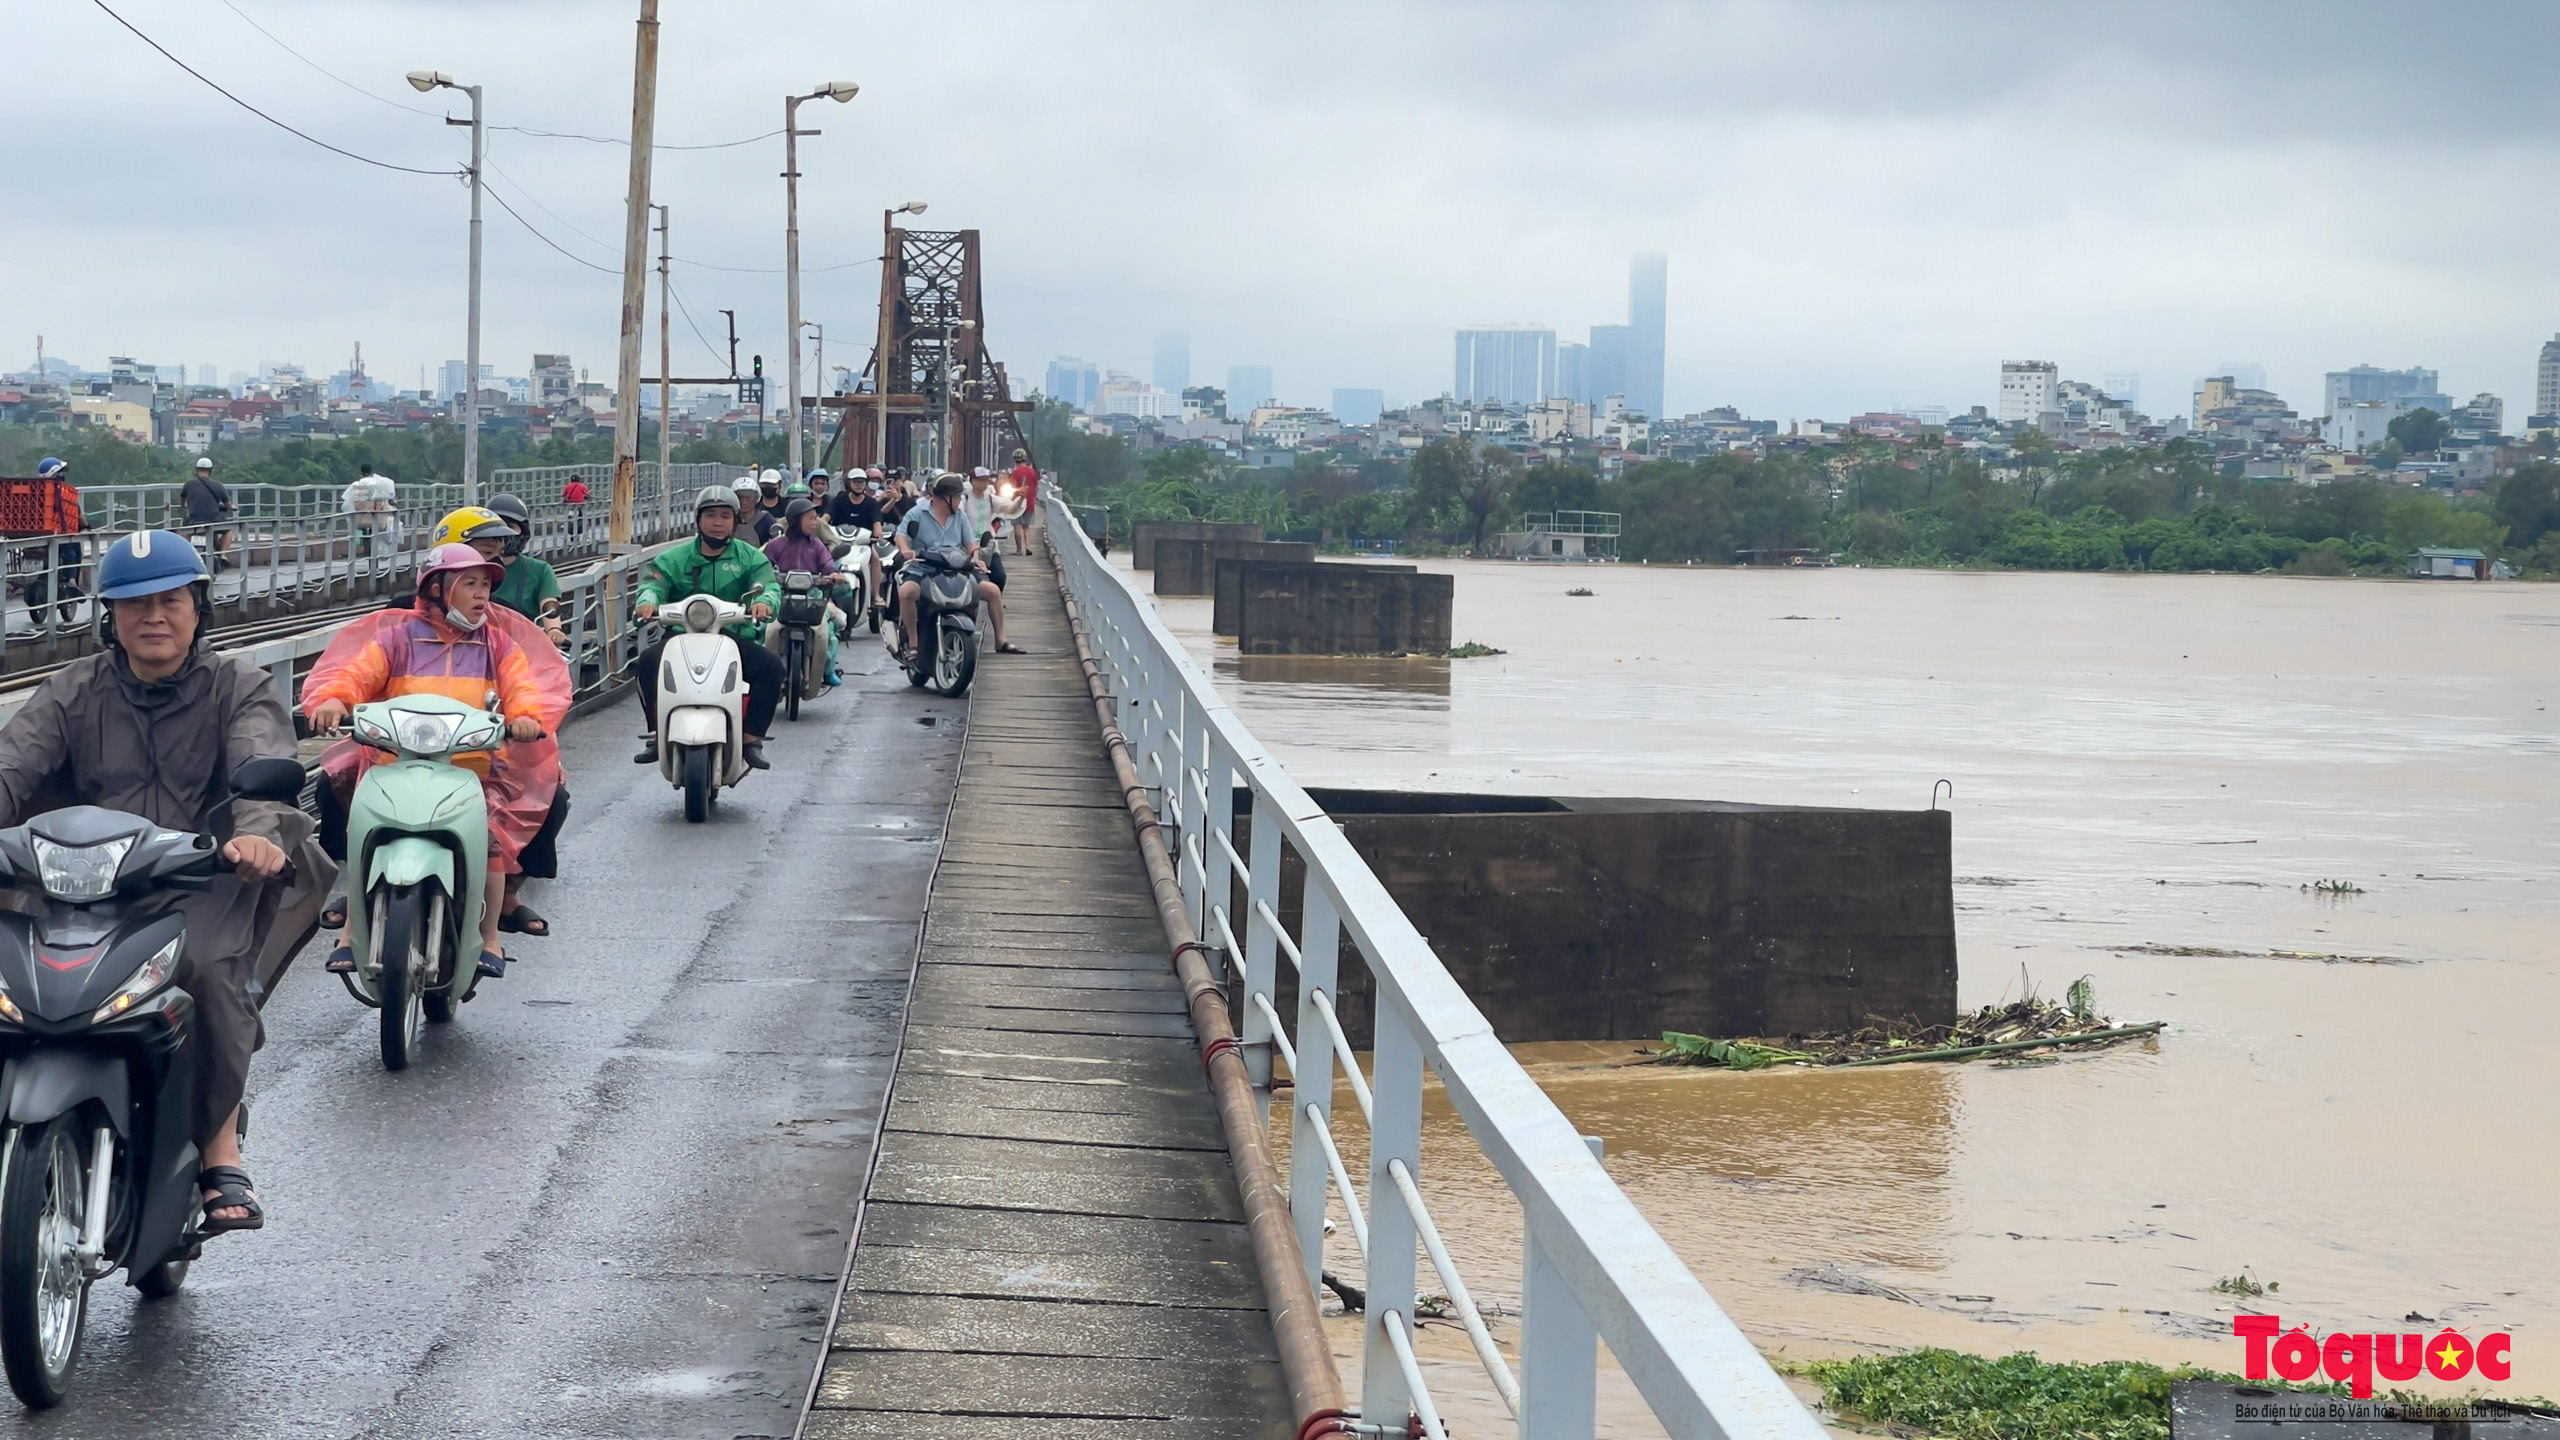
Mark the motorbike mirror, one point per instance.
(269, 778)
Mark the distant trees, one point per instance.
(2420, 432)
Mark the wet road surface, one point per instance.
(614, 1197)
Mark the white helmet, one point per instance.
(744, 484)
(771, 479)
(204, 462)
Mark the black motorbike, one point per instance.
(803, 618)
(97, 1069)
(946, 654)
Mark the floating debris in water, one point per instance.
(2024, 1025)
(1471, 650)
(2216, 952)
(1579, 590)
(2333, 887)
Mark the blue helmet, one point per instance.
(147, 562)
(50, 466)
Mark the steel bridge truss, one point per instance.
(929, 369)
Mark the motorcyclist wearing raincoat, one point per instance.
(725, 568)
(454, 642)
(154, 725)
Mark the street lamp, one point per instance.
(839, 91)
(427, 82)
(822, 380)
(953, 372)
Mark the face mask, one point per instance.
(455, 618)
(710, 544)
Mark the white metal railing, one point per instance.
(1594, 1269)
(602, 637)
(291, 546)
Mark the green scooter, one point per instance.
(418, 852)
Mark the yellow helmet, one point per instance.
(471, 522)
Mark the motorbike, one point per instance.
(97, 1070)
(702, 701)
(800, 621)
(946, 622)
(418, 852)
(884, 603)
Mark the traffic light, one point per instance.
(759, 367)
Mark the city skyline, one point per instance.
(1828, 299)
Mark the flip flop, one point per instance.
(1011, 649)
(342, 961)
(493, 966)
(524, 920)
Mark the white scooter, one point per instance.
(702, 702)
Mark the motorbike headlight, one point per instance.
(701, 616)
(368, 728)
(422, 732)
(153, 976)
(80, 873)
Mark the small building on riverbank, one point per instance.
(2432, 563)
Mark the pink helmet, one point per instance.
(454, 559)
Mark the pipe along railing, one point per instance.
(290, 547)
(1594, 1269)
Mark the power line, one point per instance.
(678, 296)
(547, 240)
(536, 202)
(316, 65)
(774, 270)
(254, 110)
(620, 140)
(431, 114)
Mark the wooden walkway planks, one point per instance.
(1052, 1243)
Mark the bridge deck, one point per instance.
(1052, 1243)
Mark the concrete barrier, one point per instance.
(1144, 535)
(1341, 610)
(1227, 573)
(1581, 919)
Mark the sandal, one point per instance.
(1009, 648)
(342, 961)
(524, 920)
(230, 1187)
(333, 916)
(493, 965)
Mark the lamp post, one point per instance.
(839, 91)
(822, 387)
(880, 351)
(952, 375)
(427, 82)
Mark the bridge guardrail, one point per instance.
(1594, 1269)
(295, 546)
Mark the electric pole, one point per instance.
(666, 492)
(635, 270)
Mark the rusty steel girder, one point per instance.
(929, 369)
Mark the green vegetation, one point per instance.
(2172, 507)
(2246, 1285)
(1583, 590)
(1473, 651)
(428, 455)
(2018, 1397)
(2333, 887)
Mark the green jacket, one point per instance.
(739, 574)
(529, 581)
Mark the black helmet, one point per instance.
(800, 505)
(515, 512)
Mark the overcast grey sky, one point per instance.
(1864, 204)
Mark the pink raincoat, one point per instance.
(409, 652)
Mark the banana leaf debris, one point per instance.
(2018, 1027)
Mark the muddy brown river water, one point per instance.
(2147, 772)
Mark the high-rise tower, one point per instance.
(1648, 278)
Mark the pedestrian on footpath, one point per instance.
(574, 495)
(208, 504)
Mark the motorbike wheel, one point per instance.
(795, 660)
(403, 943)
(956, 664)
(44, 1295)
(697, 783)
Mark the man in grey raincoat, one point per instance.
(155, 726)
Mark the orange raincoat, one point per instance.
(410, 652)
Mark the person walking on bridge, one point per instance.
(208, 503)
